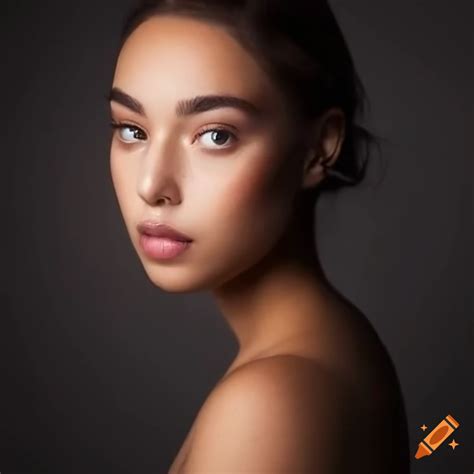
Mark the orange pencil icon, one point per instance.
(436, 437)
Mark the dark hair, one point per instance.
(299, 43)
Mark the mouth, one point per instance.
(162, 248)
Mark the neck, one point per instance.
(278, 297)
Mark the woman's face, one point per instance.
(230, 191)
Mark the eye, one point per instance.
(217, 136)
(132, 131)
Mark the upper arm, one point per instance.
(275, 415)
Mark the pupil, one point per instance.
(217, 133)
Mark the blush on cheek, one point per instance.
(258, 198)
(262, 189)
(259, 176)
(246, 192)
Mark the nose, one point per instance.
(157, 180)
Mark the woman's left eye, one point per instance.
(133, 132)
(218, 136)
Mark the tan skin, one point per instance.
(305, 352)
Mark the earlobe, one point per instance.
(315, 171)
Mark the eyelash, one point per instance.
(120, 125)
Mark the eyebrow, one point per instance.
(184, 107)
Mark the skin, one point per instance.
(240, 200)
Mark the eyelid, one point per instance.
(117, 125)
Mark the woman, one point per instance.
(230, 118)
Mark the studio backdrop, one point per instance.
(103, 372)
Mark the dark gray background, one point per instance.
(103, 372)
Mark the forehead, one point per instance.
(173, 56)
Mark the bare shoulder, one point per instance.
(282, 413)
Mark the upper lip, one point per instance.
(158, 229)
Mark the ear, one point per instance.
(325, 145)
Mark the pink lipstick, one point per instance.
(160, 241)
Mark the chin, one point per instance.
(173, 280)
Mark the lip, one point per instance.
(162, 248)
(158, 229)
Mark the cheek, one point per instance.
(123, 179)
(262, 193)
(253, 207)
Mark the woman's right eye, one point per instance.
(132, 131)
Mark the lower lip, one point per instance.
(162, 248)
